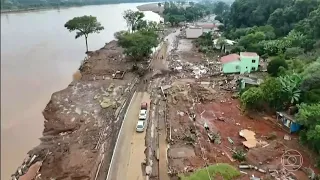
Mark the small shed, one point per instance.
(288, 121)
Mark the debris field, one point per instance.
(206, 125)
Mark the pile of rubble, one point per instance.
(29, 168)
(282, 174)
(189, 93)
(195, 70)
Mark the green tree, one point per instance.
(84, 26)
(148, 25)
(309, 116)
(293, 52)
(251, 39)
(132, 18)
(259, 11)
(172, 20)
(252, 98)
(274, 65)
(218, 18)
(310, 84)
(291, 87)
(272, 92)
(220, 7)
(138, 45)
(237, 49)
(205, 39)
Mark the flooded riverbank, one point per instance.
(38, 57)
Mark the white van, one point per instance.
(140, 126)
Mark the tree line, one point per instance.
(182, 11)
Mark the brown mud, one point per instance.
(83, 120)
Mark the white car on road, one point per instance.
(143, 114)
(140, 126)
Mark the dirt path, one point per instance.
(129, 152)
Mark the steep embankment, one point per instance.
(81, 121)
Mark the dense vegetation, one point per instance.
(37, 4)
(181, 11)
(287, 34)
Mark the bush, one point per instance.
(293, 52)
(237, 49)
(274, 66)
(239, 155)
(252, 98)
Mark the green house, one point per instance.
(246, 62)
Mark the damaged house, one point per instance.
(249, 81)
(246, 62)
(288, 121)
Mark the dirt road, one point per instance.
(129, 156)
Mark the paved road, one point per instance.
(129, 154)
(163, 147)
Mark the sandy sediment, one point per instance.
(154, 7)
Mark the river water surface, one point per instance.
(38, 57)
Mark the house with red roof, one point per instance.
(246, 62)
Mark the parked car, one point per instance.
(144, 105)
(140, 126)
(143, 114)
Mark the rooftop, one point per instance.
(252, 81)
(194, 27)
(287, 116)
(230, 58)
(206, 25)
(248, 54)
(228, 41)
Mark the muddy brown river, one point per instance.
(38, 57)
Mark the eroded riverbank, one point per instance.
(43, 63)
(82, 120)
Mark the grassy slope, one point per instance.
(227, 171)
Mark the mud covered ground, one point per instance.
(82, 121)
(195, 87)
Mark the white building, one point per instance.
(193, 32)
(228, 46)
